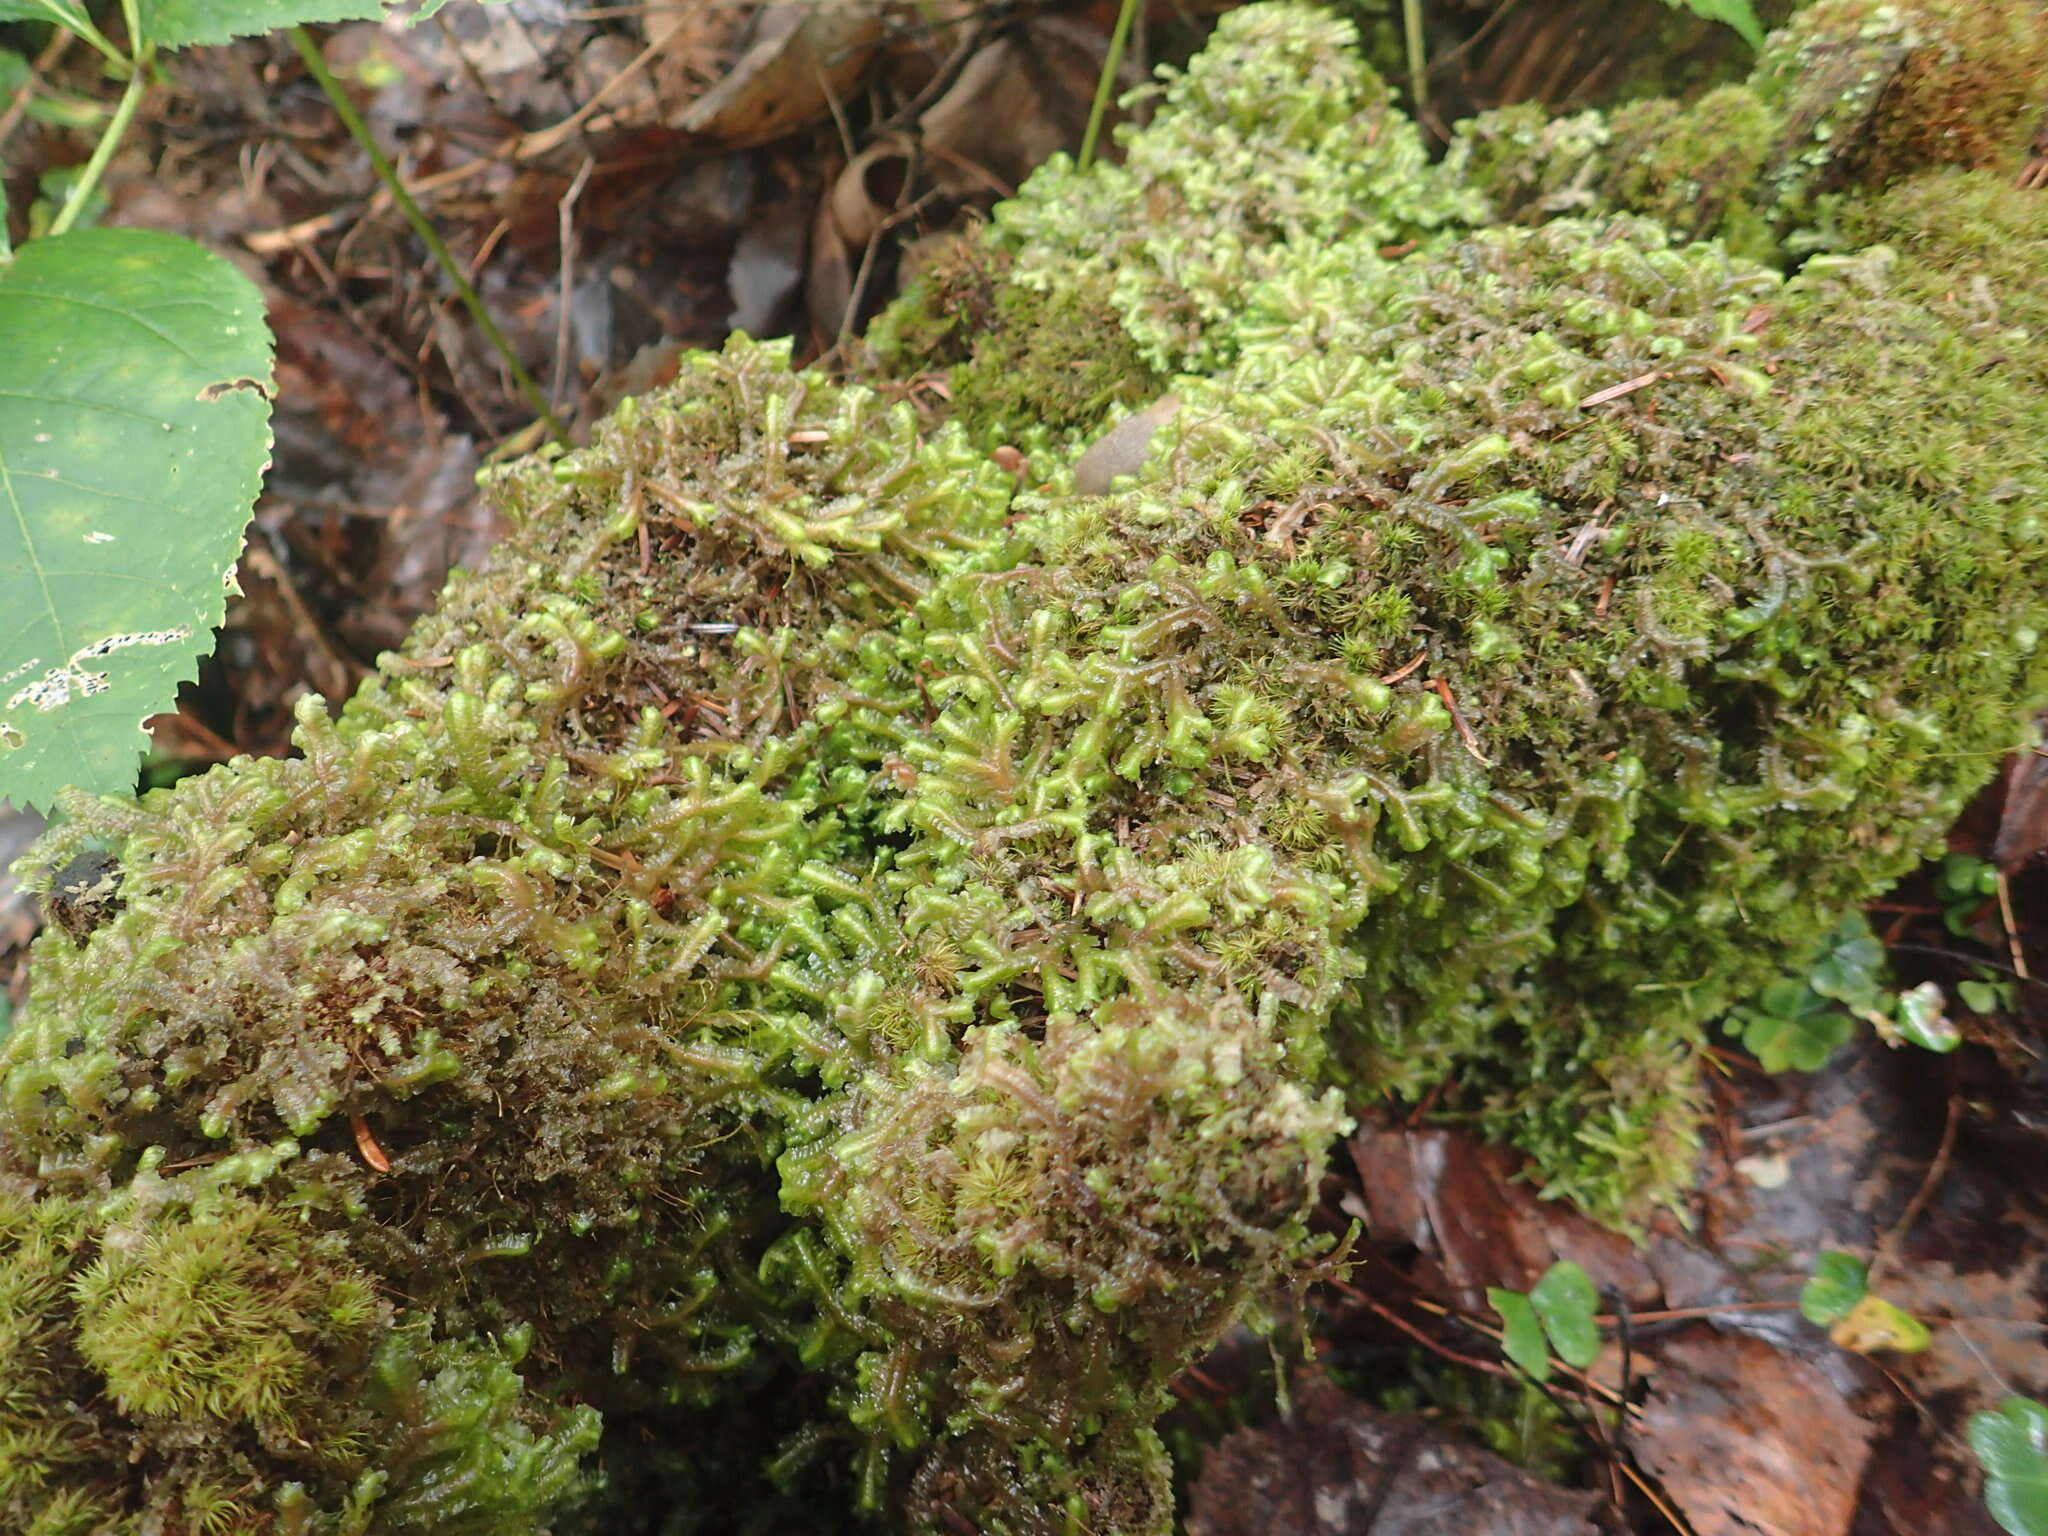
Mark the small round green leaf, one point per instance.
(1980, 996)
(1923, 1019)
(1566, 1301)
(134, 432)
(2012, 1445)
(1838, 1282)
(1521, 1331)
(1801, 1038)
(1850, 967)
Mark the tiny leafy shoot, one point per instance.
(1839, 1280)
(1837, 1297)
(1556, 1315)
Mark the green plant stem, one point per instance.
(424, 228)
(1418, 62)
(1107, 83)
(76, 22)
(110, 140)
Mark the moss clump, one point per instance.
(1410, 496)
(1100, 283)
(1043, 364)
(838, 967)
(197, 1362)
(556, 985)
(1850, 95)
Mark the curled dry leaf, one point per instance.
(801, 57)
(1017, 101)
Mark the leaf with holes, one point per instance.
(134, 432)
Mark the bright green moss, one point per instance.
(839, 966)
(1277, 133)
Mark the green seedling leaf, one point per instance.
(2012, 1446)
(1838, 1282)
(184, 23)
(134, 431)
(1923, 1020)
(1981, 996)
(1963, 877)
(1521, 1331)
(1850, 967)
(1566, 1301)
(1794, 1028)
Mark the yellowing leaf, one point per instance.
(1874, 1324)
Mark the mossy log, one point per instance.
(825, 976)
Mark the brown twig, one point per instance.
(1443, 691)
(1643, 1487)
(566, 219)
(1381, 1310)
(1887, 1250)
(25, 93)
(2012, 929)
(1400, 672)
(1616, 391)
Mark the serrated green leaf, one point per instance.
(185, 23)
(1565, 1301)
(428, 9)
(2012, 1446)
(1732, 13)
(134, 431)
(1521, 1331)
(1838, 1282)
